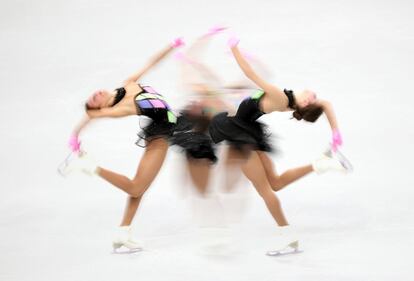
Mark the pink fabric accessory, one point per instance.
(177, 42)
(214, 30)
(233, 41)
(74, 143)
(336, 140)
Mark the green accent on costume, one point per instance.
(171, 117)
(257, 95)
(149, 96)
(207, 109)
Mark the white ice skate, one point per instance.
(124, 244)
(341, 158)
(291, 248)
(332, 161)
(287, 242)
(77, 162)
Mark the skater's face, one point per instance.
(98, 99)
(307, 107)
(306, 98)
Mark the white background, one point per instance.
(357, 54)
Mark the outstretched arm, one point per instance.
(74, 142)
(192, 67)
(154, 60)
(260, 68)
(113, 112)
(273, 91)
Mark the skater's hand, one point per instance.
(233, 41)
(74, 143)
(336, 139)
(177, 42)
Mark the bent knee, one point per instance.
(138, 189)
(135, 195)
(276, 183)
(266, 193)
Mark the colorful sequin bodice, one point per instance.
(154, 105)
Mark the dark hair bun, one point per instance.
(308, 113)
(297, 115)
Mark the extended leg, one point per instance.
(278, 182)
(148, 169)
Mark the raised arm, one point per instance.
(276, 94)
(154, 60)
(192, 67)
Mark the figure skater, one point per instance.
(191, 133)
(130, 99)
(210, 97)
(249, 140)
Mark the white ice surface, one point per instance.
(357, 54)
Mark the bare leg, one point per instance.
(254, 171)
(130, 210)
(233, 160)
(148, 169)
(199, 172)
(278, 182)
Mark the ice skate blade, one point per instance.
(344, 161)
(278, 253)
(120, 249)
(63, 168)
(62, 172)
(292, 248)
(338, 155)
(126, 251)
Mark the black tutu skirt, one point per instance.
(154, 130)
(196, 144)
(184, 124)
(240, 133)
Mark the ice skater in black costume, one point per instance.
(191, 132)
(130, 99)
(249, 140)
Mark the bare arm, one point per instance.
(273, 91)
(192, 59)
(150, 64)
(113, 112)
(82, 124)
(330, 114)
(208, 74)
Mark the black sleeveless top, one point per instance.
(291, 98)
(120, 94)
